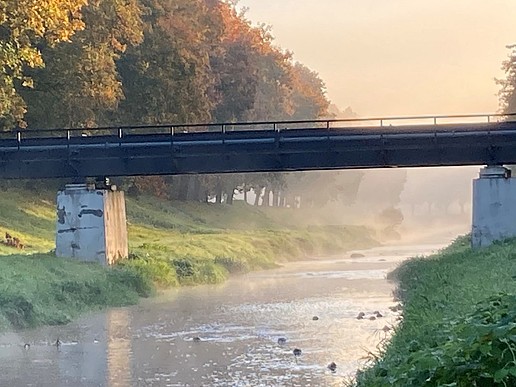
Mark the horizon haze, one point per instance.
(398, 57)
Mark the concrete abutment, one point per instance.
(91, 224)
(494, 206)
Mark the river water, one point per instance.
(238, 324)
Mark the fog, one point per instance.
(398, 58)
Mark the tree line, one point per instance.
(80, 63)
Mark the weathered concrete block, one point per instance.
(91, 224)
(494, 207)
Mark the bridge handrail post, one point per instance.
(435, 120)
(223, 129)
(381, 123)
(120, 133)
(18, 137)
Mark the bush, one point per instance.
(149, 271)
(17, 309)
(184, 267)
(233, 265)
(191, 271)
(479, 350)
(133, 279)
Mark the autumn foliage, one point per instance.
(79, 63)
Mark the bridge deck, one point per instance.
(258, 147)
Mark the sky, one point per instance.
(398, 57)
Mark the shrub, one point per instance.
(233, 265)
(149, 271)
(478, 350)
(17, 309)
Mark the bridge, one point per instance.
(419, 141)
(91, 221)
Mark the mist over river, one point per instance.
(238, 324)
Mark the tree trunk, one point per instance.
(183, 187)
(194, 188)
(266, 198)
(230, 196)
(218, 192)
(274, 198)
(279, 199)
(258, 195)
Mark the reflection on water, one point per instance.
(119, 354)
(224, 335)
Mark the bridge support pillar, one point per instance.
(91, 224)
(494, 206)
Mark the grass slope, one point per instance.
(171, 244)
(459, 326)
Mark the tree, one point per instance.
(25, 24)
(507, 94)
(308, 99)
(80, 84)
(168, 77)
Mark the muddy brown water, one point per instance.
(238, 324)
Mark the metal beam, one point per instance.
(304, 145)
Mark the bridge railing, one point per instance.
(278, 126)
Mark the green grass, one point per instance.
(170, 243)
(41, 289)
(459, 326)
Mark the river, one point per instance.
(238, 324)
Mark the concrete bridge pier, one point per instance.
(494, 206)
(91, 223)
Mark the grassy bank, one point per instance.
(459, 326)
(171, 244)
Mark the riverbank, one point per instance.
(171, 244)
(458, 327)
(238, 324)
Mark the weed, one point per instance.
(459, 323)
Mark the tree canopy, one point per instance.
(24, 25)
(507, 92)
(88, 63)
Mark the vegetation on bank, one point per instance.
(459, 325)
(171, 244)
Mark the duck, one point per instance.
(378, 314)
(315, 318)
(360, 316)
(332, 366)
(282, 340)
(196, 339)
(26, 346)
(58, 343)
(297, 352)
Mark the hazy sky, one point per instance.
(398, 57)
